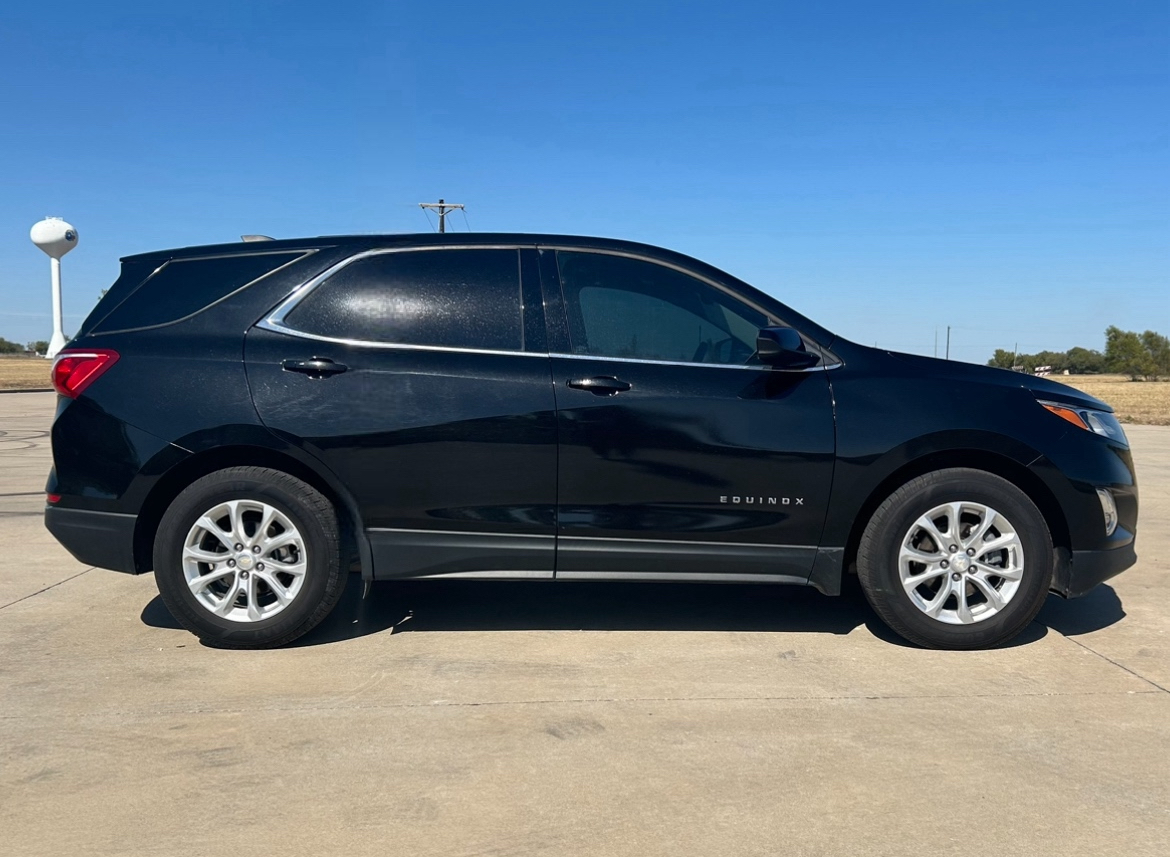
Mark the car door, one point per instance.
(681, 455)
(420, 378)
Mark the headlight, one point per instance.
(1100, 422)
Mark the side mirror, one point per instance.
(782, 347)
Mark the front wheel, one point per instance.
(249, 557)
(956, 559)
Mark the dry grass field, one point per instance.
(1142, 402)
(24, 373)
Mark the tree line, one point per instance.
(1138, 355)
(6, 347)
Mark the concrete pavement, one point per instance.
(474, 719)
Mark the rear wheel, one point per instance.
(249, 557)
(956, 559)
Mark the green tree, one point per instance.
(1126, 353)
(1158, 347)
(1002, 359)
(1085, 361)
(40, 346)
(1028, 362)
(7, 347)
(1057, 360)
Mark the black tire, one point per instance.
(878, 560)
(314, 519)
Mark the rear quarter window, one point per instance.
(183, 287)
(458, 298)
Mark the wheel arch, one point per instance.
(977, 459)
(172, 482)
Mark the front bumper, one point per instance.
(1077, 572)
(104, 539)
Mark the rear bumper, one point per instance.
(1079, 571)
(104, 539)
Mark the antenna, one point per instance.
(443, 207)
(56, 238)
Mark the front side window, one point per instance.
(622, 307)
(446, 298)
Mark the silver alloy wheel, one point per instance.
(244, 560)
(961, 563)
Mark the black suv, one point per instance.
(251, 420)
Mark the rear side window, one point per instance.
(133, 272)
(183, 287)
(444, 298)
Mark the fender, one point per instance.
(226, 446)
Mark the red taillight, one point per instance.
(53, 499)
(74, 370)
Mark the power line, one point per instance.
(443, 208)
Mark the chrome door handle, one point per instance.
(317, 367)
(600, 385)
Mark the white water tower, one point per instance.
(56, 238)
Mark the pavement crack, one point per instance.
(1119, 665)
(47, 588)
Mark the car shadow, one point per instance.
(1099, 609)
(465, 605)
(156, 615)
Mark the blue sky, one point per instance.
(886, 168)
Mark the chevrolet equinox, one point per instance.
(251, 420)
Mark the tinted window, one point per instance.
(620, 307)
(133, 272)
(185, 286)
(449, 298)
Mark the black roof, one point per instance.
(427, 239)
(432, 239)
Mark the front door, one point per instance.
(681, 456)
(420, 378)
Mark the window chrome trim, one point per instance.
(731, 293)
(627, 254)
(275, 320)
(303, 254)
(757, 367)
(406, 346)
(394, 346)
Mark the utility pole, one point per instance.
(443, 207)
(948, 342)
(936, 341)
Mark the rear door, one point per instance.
(681, 456)
(421, 378)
